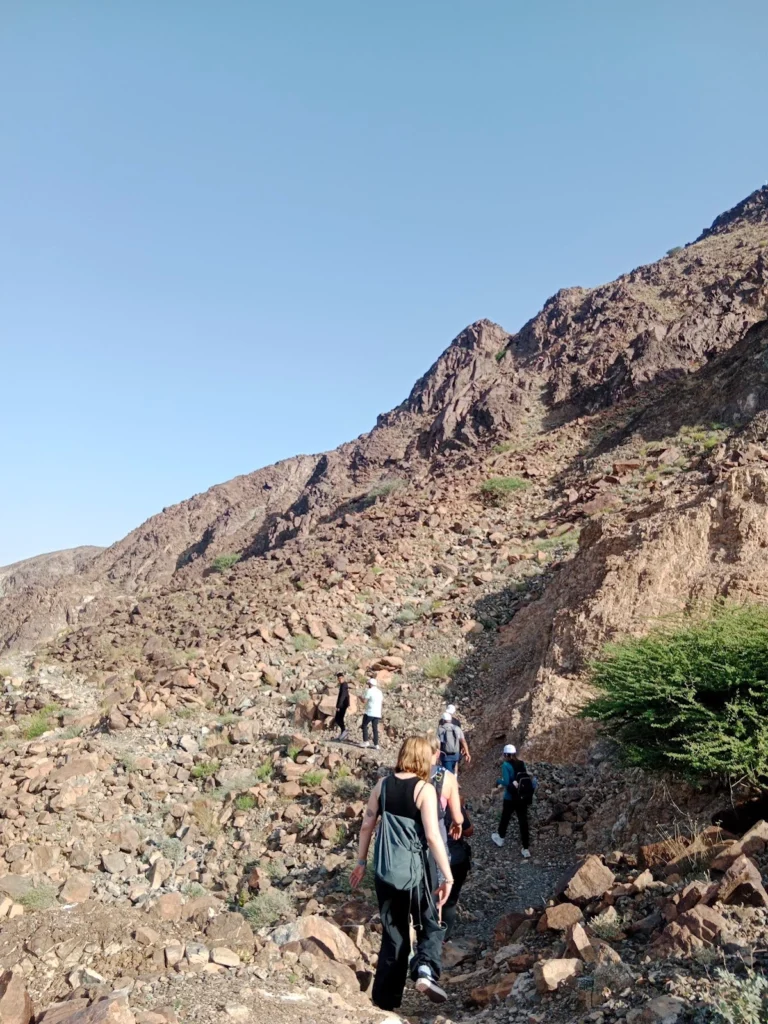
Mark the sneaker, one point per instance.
(526, 854)
(427, 985)
(344, 735)
(497, 839)
(365, 743)
(375, 746)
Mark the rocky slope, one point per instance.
(44, 570)
(176, 826)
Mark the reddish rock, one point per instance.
(742, 885)
(552, 975)
(559, 918)
(496, 992)
(588, 880)
(15, 1004)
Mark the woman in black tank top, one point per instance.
(408, 794)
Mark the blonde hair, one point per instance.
(433, 741)
(415, 755)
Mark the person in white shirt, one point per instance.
(373, 701)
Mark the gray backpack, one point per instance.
(448, 734)
(398, 858)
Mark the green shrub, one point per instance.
(440, 666)
(224, 562)
(312, 778)
(737, 1000)
(39, 723)
(500, 354)
(303, 642)
(245, 802)
(172, 849)
(265, 771)
(205, 769)
(504, 446)
(407, 615)
(293, 751)
(674, 250)
(271, 906)
(39, 897)
(499, 488)
(692, 696)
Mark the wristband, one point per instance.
(362, 863)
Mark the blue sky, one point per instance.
(233, 232)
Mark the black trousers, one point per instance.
(450, 907)
(374, 723)
(396, 908)
(521, 810)
(339, 719)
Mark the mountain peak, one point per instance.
(752, 210)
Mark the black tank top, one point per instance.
(400, 798)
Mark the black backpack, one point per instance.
(525, 788)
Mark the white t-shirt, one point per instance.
(373, 699)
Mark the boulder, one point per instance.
(579, 944)
(699, 927)
(105, 1011)
(321, 932)
(753, 841)
(231, 929)
(496, 992)
(77, 888)
(15, 1004)
(559, 918)
(742, 885)
(661, 1010)
(588, 880)
(551, 975)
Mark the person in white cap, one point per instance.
(453, 745)
(373, 701)
(518, 793)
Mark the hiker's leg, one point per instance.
(375, 727)
(429, 933)
(506, 814)
(522, 820)
(392, 966)
(366, 720)
(451, 764)
(450, 907)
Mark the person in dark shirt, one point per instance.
(460, 856)
(342, 704)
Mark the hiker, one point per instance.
(447, 789)
(451, 710)
(453, 745)
(518, 789)
(460, 856)
(342, 704)
(407, 805)
(372, 716)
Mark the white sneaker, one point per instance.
(526, 854)
(497, 839)
(375, 746)
(427, 985)
(344, 735)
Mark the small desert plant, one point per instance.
(5, 673)
(499, 488)
(265, 771)
(690, 696)
(608, 925)
(342, 772)
(205, 769)
(298, 697)
(349, 789)
(172, 849)
(245, 802)
(739, 1000)
(407, 615)
(441, 666)
(341, 835)
(304, 642)
(503, 446)
(224, 562)
(293, 751)
(271, 906)
(206, 815)
(193, 890)
(312, 778)
(674, 250)
(39, 897)
(500, 354)
(385, 487)
(41, 722)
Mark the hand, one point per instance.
(467, 757)
(357, 875)
(456, 830)
(443, 892)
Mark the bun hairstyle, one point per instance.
(415, 755)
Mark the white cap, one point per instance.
(373, 682)
(447, 716)
(510, 749)
(451, 709)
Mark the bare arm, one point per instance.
(454, 802)
(465, 750)
(426, 802)
(370, 815)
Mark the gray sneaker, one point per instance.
(427, 985)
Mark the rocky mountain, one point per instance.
(586, 350)
(44, 570)
(176, 823)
